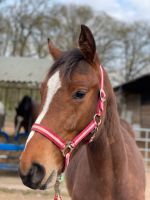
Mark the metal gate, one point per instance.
(143, 141)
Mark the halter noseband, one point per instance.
(67, 147)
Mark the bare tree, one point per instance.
(26, 25)
(24, 18)
(104, 28)
(135, 48)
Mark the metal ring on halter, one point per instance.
(102, 95)
(68, 149)
(99, 121)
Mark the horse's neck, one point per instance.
(108, 149)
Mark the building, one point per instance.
(134, 101)
(21, 76)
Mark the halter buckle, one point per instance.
(68, 149)
(102, 95)
(97, 120)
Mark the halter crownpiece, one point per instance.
(67, 147)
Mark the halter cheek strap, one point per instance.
(67, 147)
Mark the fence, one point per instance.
(143, 141)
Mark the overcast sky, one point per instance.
(127, 10)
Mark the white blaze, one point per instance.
(53, 85)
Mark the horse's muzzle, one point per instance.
(34, 177)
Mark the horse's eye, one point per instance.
(79, 95)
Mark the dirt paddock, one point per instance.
(11, 188)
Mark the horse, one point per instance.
(26, 114)
(78, 130)
(2, 115)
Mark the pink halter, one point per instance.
(67, 147)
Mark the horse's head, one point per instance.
(69, 97)
(24, 106)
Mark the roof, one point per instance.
(23, 69)
(144, 71)
(120, 81)
(33, 70)
(141, 84)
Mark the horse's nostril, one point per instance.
(37, 173)
(34, 176)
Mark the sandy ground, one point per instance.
(11, 188)
(26, 196)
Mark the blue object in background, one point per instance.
(11, 147)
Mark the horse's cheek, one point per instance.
(71, 123)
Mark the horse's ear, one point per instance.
(55, 52)
(87, 43)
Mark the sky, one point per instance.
(126, 10)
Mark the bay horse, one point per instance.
(26, 114)
(77, 104)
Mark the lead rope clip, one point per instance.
(57, 190)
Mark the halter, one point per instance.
(67, 147)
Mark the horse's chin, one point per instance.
(50, 181)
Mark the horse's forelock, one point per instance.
(67, 63)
